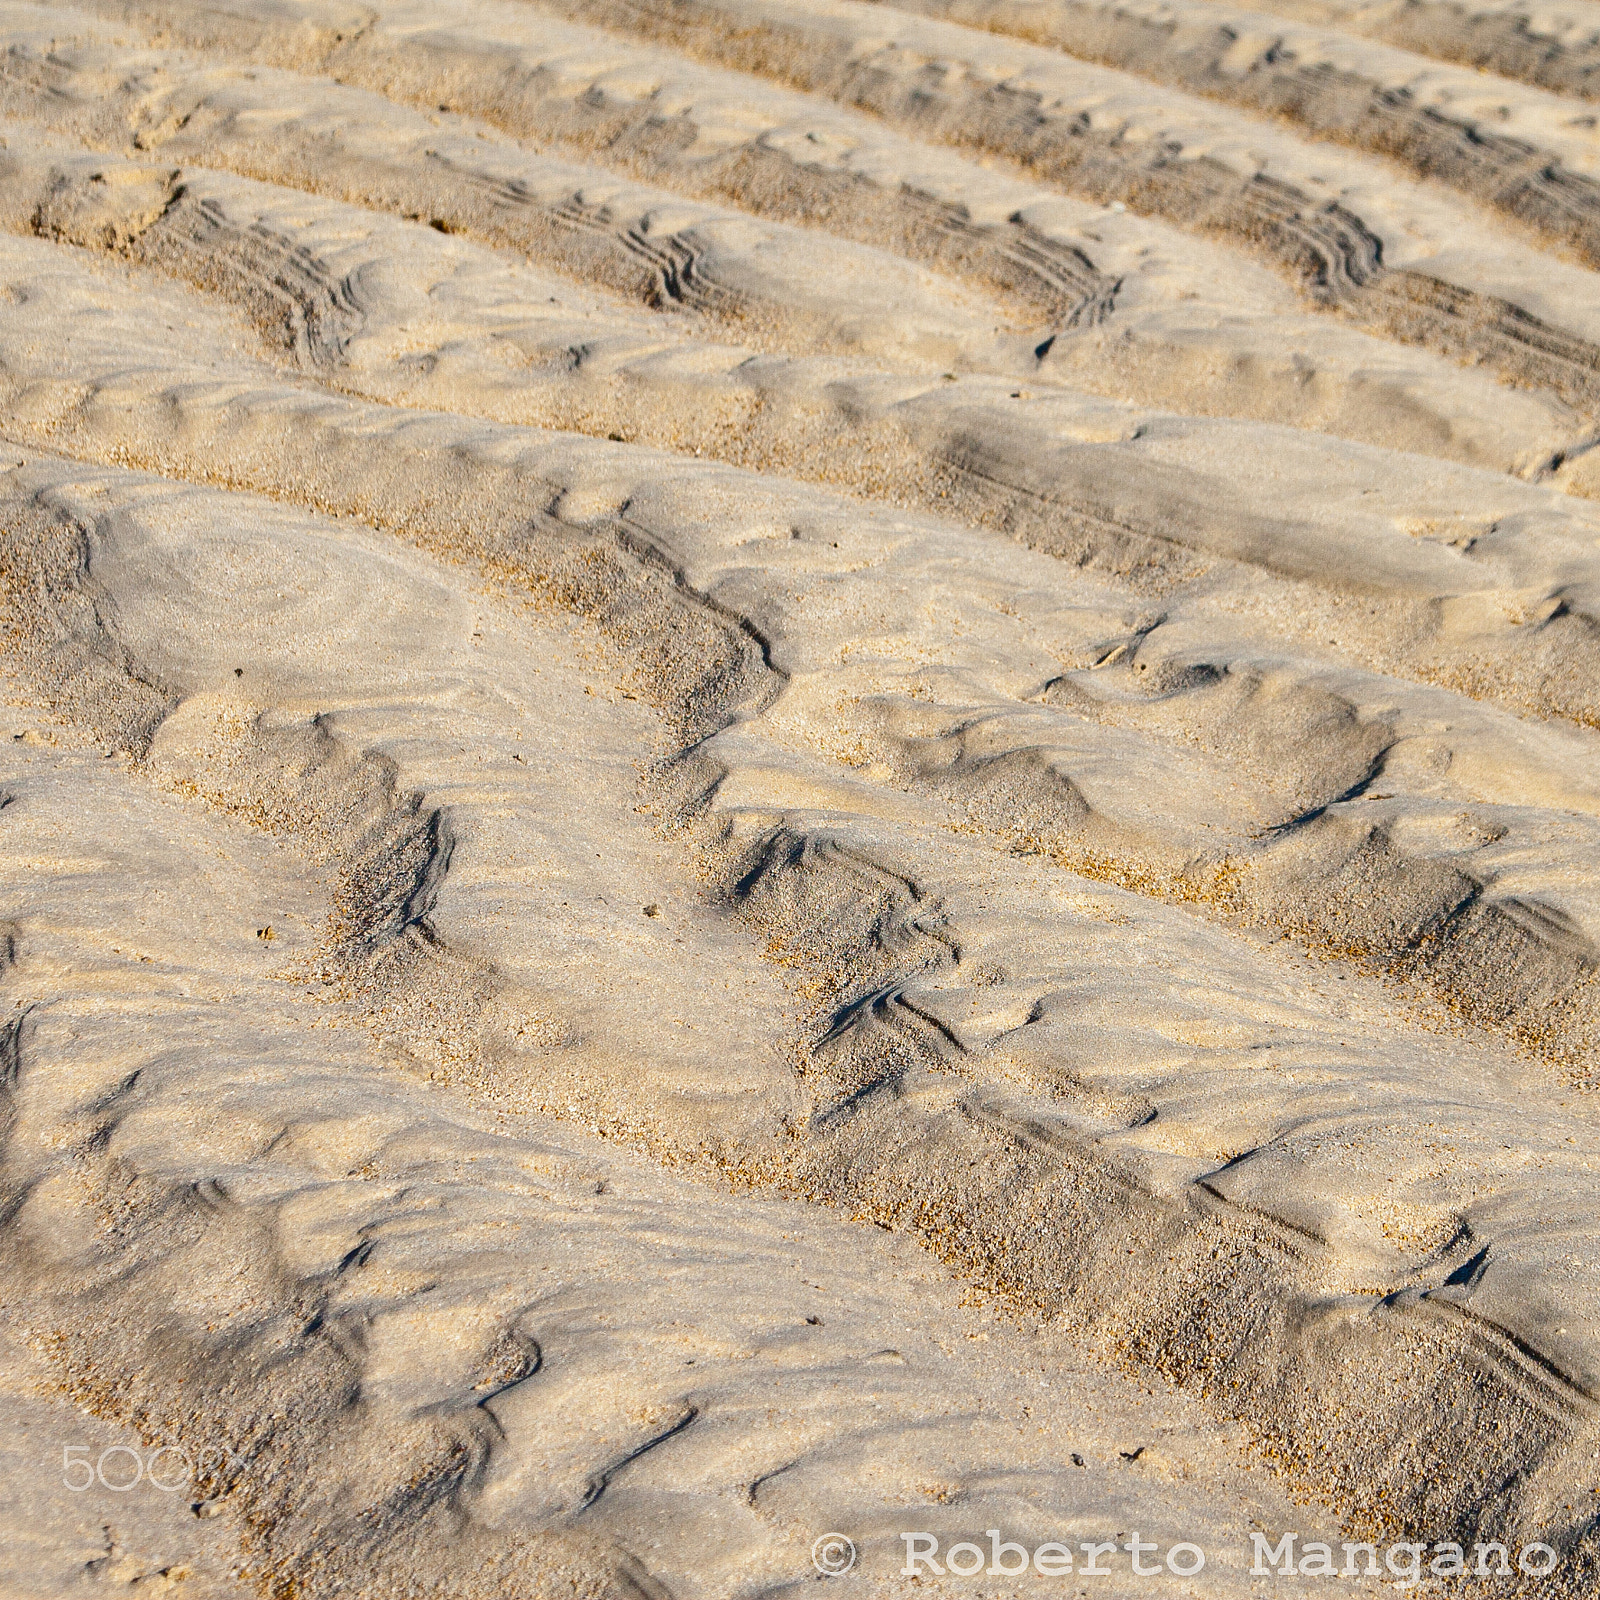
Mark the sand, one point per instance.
(798, 772)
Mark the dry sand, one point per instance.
(783, 768)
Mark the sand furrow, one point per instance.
(953, 1095)
(1162, 845)
(1186, 333)
(1154, 818)
(1525, 154)
(1072, 129)
(1533, 322)
(360, 1315)
(1557, 48)
(747, 737)
(1129, 493)
(770, 283)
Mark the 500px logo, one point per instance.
(119, 1467)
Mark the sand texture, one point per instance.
(782, 767)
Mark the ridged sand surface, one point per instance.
(782, 767)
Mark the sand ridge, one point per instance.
(662, 723)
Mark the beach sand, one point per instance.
(779, 779)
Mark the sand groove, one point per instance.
(690, 678)
(1329, 379)
(1370, 100)
(1327, 249)
(1556, 51)
(313, 313)
(1332, 857)
(896, 933)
